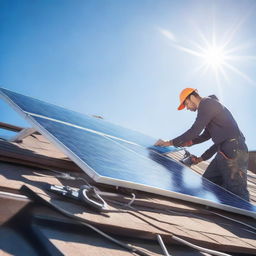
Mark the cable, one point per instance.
(133, 199)
(68, 176)
(213, 252)
(189, 214)
(199, 248)
(237, 221)
(82, 221)
(159, 238)
(127, 246)
(87, 183)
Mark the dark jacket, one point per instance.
(213, 121)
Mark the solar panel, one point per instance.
(114, 155)
(40, 108)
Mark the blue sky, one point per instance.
(128, 60)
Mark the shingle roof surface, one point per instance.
(30, 162)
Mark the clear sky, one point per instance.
(128, 60)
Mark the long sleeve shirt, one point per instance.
(213, 121)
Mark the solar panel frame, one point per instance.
(117, 182)
(51, 138)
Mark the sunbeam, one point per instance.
(237, 71)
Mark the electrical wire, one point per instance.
(82, 221)
(199, 248)
(69, 177)
(159, 238)
(127, 246)
(193, 215)
(133, 199)
(237, 221)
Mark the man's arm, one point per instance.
(210, 152)
(202, 138)
(206, 155)
(206, 113)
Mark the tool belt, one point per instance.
(228, 148)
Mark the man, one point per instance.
(229, 167)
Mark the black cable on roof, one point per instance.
(83, 222)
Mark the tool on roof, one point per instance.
(86, 194)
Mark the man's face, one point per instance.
(189, 104)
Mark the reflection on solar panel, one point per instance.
(114, 155)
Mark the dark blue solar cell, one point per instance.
(39, 107)
(119, 160)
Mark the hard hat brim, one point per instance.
(181, 106)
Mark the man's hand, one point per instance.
(162, 143)
(196, 160)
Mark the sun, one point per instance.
(214, 56)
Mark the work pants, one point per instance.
(229, 167)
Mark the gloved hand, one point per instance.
(187, 144)
(162, 143)
(196, 160)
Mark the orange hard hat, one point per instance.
(183, 95)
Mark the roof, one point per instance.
(45, 223)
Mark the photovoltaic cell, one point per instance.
(118, 162)
(38, 107)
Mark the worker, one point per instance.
(229, 167)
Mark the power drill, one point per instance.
(188, 158)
